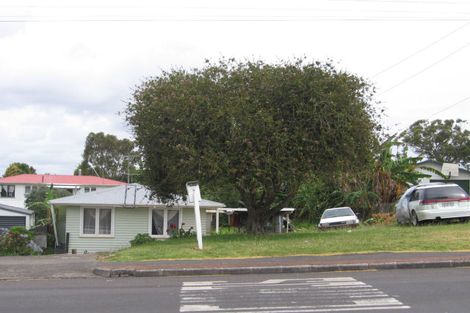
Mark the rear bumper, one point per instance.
(433, 214)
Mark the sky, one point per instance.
(68, 68)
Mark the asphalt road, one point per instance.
(419, 290)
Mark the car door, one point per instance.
(414, 202)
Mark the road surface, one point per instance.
(420, 290)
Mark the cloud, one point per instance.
(61, 80)
(50, 140)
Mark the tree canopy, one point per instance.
(258, 127)
(107, 156)
(440, 140)
(18, 168)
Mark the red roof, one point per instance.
(60, 180)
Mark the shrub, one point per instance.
(141, 239)
(15, 241)
(381, 218)
(181, 233)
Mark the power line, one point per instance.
(450, 106)
(233, 19)
(404, 1)
(421, 50)
(425, 69)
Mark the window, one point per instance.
(8, 191)
(29, 188)
(416, 195)
(447, 192)
(89, 189)
(97, 222)
(164, 221)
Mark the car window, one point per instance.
(415, 195)
(448, 192)
(337, 213)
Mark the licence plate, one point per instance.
(448, 204)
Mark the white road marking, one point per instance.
(300, 296)
(202, 283)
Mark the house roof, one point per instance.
(15, 209)
(48, 179)
(128, 195)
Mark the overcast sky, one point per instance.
(68, 67)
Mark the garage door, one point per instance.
(9, 221)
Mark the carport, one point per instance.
(13, 216)
(280, 223)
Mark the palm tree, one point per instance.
(394, 173)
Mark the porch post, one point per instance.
(288, 222)
(217, 220)
(54, 226)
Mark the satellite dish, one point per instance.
(450, 169)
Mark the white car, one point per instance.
(434, 201)
(338, 217)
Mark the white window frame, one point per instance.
(32, 188)
(88, 189)
(165, 221)
(8, 194)
(97, 223)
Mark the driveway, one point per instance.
(47, 266)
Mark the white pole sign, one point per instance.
(194, 195)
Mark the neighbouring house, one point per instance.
(15, 189)
(107, 220)
(462, 179)
(13, 216)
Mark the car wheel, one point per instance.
(414, 219)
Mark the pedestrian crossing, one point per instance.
(334, 294)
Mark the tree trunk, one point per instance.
(257, 220)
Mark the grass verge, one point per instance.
(380, 238)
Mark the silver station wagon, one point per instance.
(435, 201)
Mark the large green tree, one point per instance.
(107, 156)
(440, 140)
(18, 168)
(259, 127)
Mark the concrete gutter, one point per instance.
(282, 265)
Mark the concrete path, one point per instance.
(85, 266)
(292, 264)
(47, 267)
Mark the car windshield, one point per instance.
(337, 213)
(448, 192)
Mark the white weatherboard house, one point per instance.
(15, 189)
(461, 177)
(109, 219)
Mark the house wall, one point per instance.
(128, 222)
(463, 180)
(463, 175)
(190, 221)
(18, 200)
(98, 188)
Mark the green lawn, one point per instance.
(451, 237)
